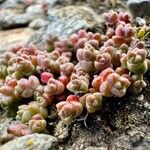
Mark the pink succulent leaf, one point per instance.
(78, 83)
(92, 101)
(135, 61)
(37, 124)
(45, 76)
(69, 110)
(86, 54)
(111, 17)
(67, 69)
(102, 61)
(54, 87)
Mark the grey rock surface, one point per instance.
(136, 139)
(70, 19)
(13, 4)
(96, 148)
(139, 8)
(34, 10)
(4, 122)
(8, 19)
(38, 23)
(32, 142)
(61, 131)
(2, 1)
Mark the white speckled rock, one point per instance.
(96, 148)
(61, 131)
(38, 23)
(32, 142)
(34, 10)
(9, 19)
(70, 19)
(139, 8)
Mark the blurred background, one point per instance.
(25, 21)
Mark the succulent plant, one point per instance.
(78, 40)
(111, 17)
(137, 83)
(92, 101)
(102, 61)
(7, 95)
(111, 84)
(67, 69)
(135, 60)
(89, 65)
(54, 87)
(42, 98)
(26, 87)
(78, 84)
(26, 112)
(84, 67)
(124, 31)
(20, 66)
(71, 108)
(142, 32)
(45, 76)
(86, 54)
(37, 124)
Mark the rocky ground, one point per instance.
(122, 124)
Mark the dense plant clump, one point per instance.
(75, 74)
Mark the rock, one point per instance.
(4, 123)
(33, 141)
(2, 1)
(11, 37)
(139, 8)
(97, 148)
(137, 139)
(38, 38)
(70, 19)
(61, 131)
(8, 19)
(34, 10)
(38, 23)
(13, 4)
(94, 3)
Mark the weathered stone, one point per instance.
(139, 8)
(13, 4)
(38, 23)
(34, 10)
(136, 139)
(61, 131)
(4, 122)
(96, 148)
(8, 19)
(2, 1)
(11, 37)
(94, 3)
(70, 19)
(38, 38)
(33, 141)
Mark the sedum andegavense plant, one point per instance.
(75, 74)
